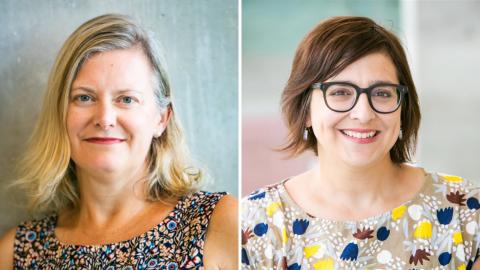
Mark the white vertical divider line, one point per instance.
(409, 15)
(239, 129)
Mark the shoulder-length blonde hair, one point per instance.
(47, 171)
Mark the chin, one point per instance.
(101, 164)
(361, 160)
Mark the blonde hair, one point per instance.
(47, 171)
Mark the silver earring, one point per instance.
(305, 134)
(400, 135)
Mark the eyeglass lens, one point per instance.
(341, 97)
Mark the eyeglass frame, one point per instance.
(368, 91)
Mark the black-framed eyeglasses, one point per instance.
(342, 96)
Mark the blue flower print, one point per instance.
(172, 266)
(257, 197)
(444, 258)
(350, 252)
(445, 215)
(473, 203)
(300, 226)
(383, 233)
(294, 266)
(245, 257)
(31, 236)
(171, 225)
(260, 229)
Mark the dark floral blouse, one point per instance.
(175, 243)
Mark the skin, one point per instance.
(112, 97)
(331, 190)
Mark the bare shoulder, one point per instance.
(6, 249)
(221, 241)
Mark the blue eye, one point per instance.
(127, 100)
(84, 98)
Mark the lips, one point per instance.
(104, 140)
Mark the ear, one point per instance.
(163, 121)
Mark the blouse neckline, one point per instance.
(285, 196)
(53, 238)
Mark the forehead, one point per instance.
(116, 68)
(368, 70)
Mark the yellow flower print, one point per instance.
(310, 251)
(453, 178)
(457, 237)
(398, 212)
(424, 230)
(284, 235)
(326, 264)
(271, 208)
(462, 267)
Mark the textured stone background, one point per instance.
(200, 39)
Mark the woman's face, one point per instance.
(329, 126)
(112, 116)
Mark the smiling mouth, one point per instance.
(98, 140)
(359, 135)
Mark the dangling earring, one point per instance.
(305, 134)
(400, 135)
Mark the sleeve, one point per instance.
(469, 221)
(261, 242)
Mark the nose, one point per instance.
(362, 110)
(105, 116)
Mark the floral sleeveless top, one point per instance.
(175, 243)
(436, 229)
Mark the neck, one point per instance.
(107, 196)
(336, 181)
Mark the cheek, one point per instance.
(75, 121)
(141, 126)
(324, 121)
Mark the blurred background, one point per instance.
(442, 41)
(200, 39)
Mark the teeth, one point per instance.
(358, 134)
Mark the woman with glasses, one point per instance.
(351, 100)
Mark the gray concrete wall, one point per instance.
(200, 39)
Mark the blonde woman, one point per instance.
(110, 169)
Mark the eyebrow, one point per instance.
(371, 82)
(89, 90)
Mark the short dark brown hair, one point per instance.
(323, 53)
